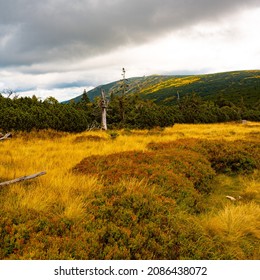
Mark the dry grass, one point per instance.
(236, 221)
(27, 154)
(61, 193)
(236, 226)
(251, 187)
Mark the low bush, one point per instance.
(125, 221)
(181, 175)
(92, 138)
(238, 157)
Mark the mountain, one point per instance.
(233, 86)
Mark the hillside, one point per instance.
(164, 89)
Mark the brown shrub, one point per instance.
(181, 175)
(93, 138)
(225, 156)
(44, 134)
(238, 157)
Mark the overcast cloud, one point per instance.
(49, 46)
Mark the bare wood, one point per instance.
(7, 135)
(104, 110)
(22, 178)
(230, 197)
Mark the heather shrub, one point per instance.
(128, 220)
(43, 134)
(181, 175)
(252, 148)
(238, 157)
(93, 138)
(113, 134)
(181, 144)
(146, 226)
(132, 221)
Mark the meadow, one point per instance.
(132, 194)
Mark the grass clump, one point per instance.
(236, 228)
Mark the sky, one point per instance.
(59, 48)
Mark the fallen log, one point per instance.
(230, 197)
(6, 136)
(22, 178)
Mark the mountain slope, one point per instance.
(233, 86)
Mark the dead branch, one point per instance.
(230, 197)
(6, 136)
(22, 178)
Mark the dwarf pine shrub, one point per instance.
(181, 175)
(238, 157)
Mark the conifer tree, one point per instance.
(85, 99)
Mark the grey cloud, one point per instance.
(75, 84)
(54, 30)
(24, 89)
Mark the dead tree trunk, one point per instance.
(22, 178)
(122, 99)
(6, 136)
(103, 105)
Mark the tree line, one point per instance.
(124, 111)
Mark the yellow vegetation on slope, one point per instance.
(174, 82)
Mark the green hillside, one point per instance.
(233, 86)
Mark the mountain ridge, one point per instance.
(166, 89)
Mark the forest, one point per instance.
(124, 111)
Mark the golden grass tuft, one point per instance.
(251, 187)
(235, 222)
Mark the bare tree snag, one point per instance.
(9, 92)
(122, 100)
(22, 178)
(103, 105)
(6, 136)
